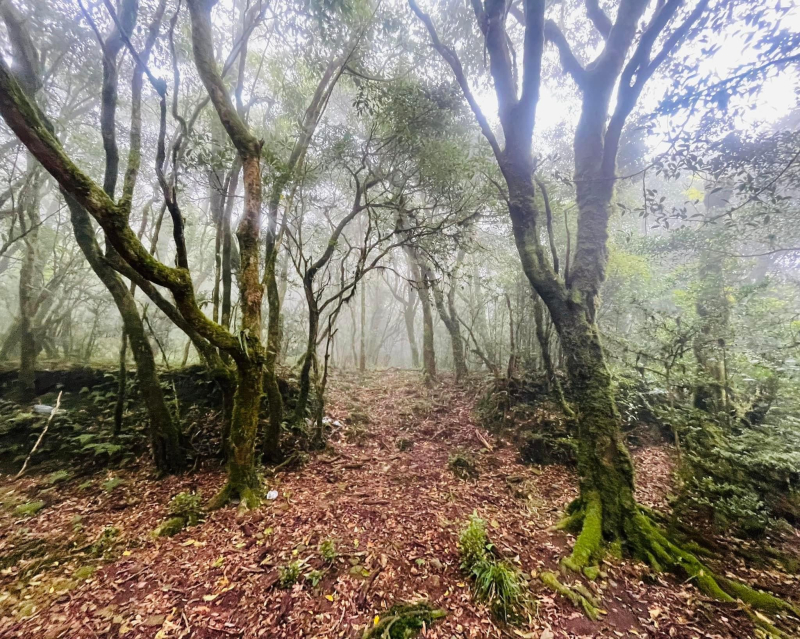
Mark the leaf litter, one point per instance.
(393, 517)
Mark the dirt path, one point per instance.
(395, 515)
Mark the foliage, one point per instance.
(105, 542)
(112, 483)
(29, 509)
(189, 506)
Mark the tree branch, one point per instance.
(455, 64)
(569, 62)
(598, 17)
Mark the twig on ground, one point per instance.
(41, 437)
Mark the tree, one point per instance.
(606, 510)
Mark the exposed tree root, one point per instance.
(646, 541)
(578, 594)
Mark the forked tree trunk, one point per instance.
(164, 433)
(251, 360)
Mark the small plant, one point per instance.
(495, 582)
(499, 584)
(355, 434)
(403, 621)
(463, 466)
(84, 572)
(358, 417)
(105, 542)
(29, 509)
(314, 577)
(289, 574)
(189, 506)
(328, 550)
(58, 477)
(473, 544)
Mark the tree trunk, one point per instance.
(310, 354)
(362, 355)
(409, 315)
(122, 381)
(451, 323)
(428, 350)
(604, 464)
(243, 480)
(165, 436)
(29, 280)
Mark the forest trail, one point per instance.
(395, 516)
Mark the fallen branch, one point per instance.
(41, 437)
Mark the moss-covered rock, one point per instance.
(29, 509)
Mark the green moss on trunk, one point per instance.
(243, 482)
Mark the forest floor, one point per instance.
(395, 516)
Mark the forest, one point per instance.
(381, 319)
